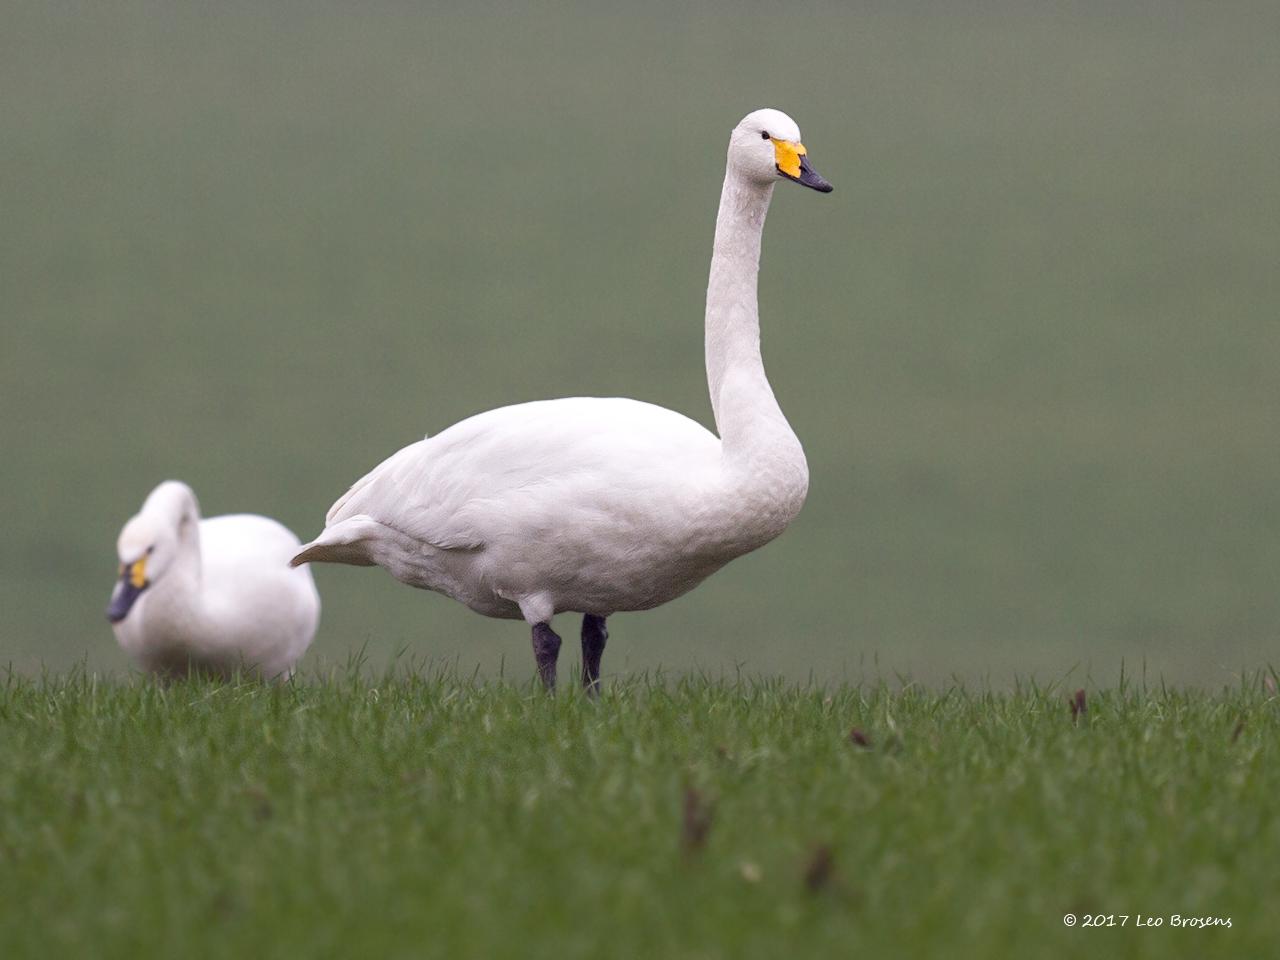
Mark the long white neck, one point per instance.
(753, 431)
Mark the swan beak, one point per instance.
(133, 581)
(793, 163)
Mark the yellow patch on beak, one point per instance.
(138, 573)
(788, 154)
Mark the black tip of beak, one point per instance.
(122, 600)
(810, 178)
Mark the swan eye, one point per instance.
(765, 136)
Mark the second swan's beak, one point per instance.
(133, 581)
(793, 163)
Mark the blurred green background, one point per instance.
(1030, 343)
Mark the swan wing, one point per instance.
(450, 490)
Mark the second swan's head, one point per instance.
(150, 542)
(766, 147)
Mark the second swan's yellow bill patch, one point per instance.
(138, 573)
(788, 156)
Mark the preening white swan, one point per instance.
(601, 505)
(212, 595)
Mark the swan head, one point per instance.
(149, 544)
(765, 147)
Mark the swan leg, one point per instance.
(594, 636)
(546, 650)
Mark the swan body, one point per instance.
(485, 512)
(600, 505)
(213, 595)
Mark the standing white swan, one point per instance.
(601, 505)
(212, 595)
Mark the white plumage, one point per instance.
(214, 595)
(601, 505)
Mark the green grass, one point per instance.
(431, 816)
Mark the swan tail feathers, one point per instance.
(346, 542)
